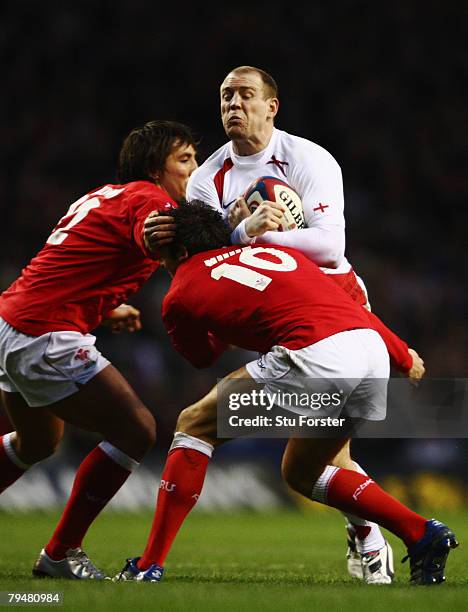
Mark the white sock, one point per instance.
(121, 458)
(319, 491)
(183, 440)
(374, 540)
(10, 452)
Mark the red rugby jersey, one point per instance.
(254, 298)
(91, 263)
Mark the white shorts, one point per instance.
(46, 369)
(354, 364)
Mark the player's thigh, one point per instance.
(200, 419)
(38, 431)
(304, 459)
(106, 404)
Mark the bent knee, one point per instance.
(33, 451)
(134, 436)
(298, 480)
(343, 458)
(290, 476)
(146, 431)
(187, 418)
(199, 421)
(192, 419)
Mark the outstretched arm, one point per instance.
(404, 359)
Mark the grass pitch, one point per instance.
(284, 561)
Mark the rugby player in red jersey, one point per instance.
(256, 147)
(274, 300)
(50, 369)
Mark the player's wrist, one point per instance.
(240, 235)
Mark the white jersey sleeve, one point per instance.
(324, 246)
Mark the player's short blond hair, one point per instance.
(270, 88)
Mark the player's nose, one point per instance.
(235, 101)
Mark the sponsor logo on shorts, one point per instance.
(82, 354)
(85, 356)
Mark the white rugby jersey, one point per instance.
(308, 168)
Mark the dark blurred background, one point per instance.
(382, 86)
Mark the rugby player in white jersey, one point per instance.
(249, 104)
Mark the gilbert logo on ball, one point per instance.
(275, 190)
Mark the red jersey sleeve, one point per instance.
(199, 346)
(396, 347)
(141, 205)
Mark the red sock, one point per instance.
(97, 480)
(11, 467)
(358, 494)
(181, 484)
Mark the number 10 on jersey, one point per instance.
(251, 278)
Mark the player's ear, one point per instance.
(155, 176)
(273, 107)
(182, 254)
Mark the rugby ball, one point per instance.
(275, 190)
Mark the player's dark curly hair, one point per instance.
(145, 149)
(199, 228)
